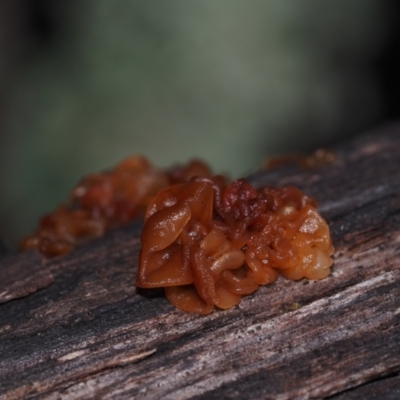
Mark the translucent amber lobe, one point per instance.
(208, 243)
(188, 171)
(107, 200)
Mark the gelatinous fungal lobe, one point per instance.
(290, 237)
(184, 173)
(104, 201)
(183, 252)
(318, 158)
(121, 194)
(208, 244)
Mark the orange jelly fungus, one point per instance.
(208, 243)
(104, 201)
(317, 159)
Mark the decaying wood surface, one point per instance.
(75, 327)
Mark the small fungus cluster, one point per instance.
(206, 242)
(103, 201)
(319, 158)
(209, 243)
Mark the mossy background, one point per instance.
(87, 83)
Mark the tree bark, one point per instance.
(76, 327)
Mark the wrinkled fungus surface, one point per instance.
(209, 243)
(104, 201)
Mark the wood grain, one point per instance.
(75, 327)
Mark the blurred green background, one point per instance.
(86, 83)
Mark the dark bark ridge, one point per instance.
(76, 326)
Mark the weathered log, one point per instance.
(76, 327)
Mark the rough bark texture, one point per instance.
(75, 327)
